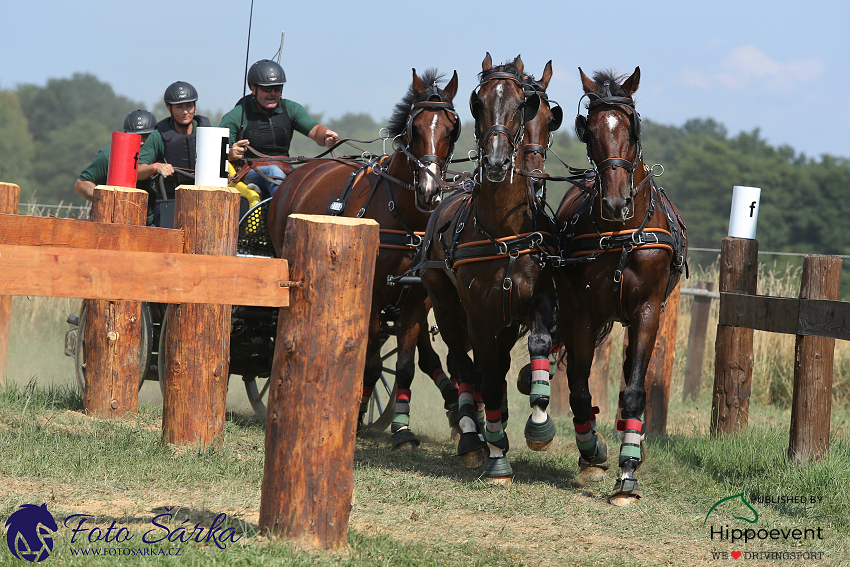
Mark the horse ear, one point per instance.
(487, 64)
(630, 86)
(451, 88)
(418, 87)
(588, 85)
(519, 65)
(547, 75)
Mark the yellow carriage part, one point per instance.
(252, 196)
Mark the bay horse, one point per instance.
(486, 275)
(624, 246)
(399, 191)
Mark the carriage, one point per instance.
(253, 329)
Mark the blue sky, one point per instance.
(778, 66)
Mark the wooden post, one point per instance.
(733, 366)
(316, 379)
(811, 406)
(197, 345)
(696, 342)
(660, 371)
(113, 328)
(10, 198)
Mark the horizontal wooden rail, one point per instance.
(792, 316)
(74, 233)
(143, 276)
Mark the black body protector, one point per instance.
(267, 134)
(179, 150)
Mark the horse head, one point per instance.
(538, 129)
(430, 131)
(611, 132)
(500, 109)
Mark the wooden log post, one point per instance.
(10, 198)
(811, 405)
(112, 333)
(197, 345)
(733, 366)
(696, 342)
(316, 379)
(660, 371)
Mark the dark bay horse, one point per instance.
(624, 245)
(398, 191)
(486, 274)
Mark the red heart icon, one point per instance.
(736, 554)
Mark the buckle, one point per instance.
(503, 247)
(507, 283)
(414, 240)
(618, 276)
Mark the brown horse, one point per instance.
(486, 274)
(624, 246)
(398, 191)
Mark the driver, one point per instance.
(265, 121)
(172, 143)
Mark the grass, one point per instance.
(424, 508)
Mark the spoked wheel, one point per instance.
(144, 346)
(379, 414)
(258, 393)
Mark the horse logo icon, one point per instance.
(30, 532)
(733, 497)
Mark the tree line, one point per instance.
(49, 134)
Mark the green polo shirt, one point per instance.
(298, 115)
(97, 172)
(154, 148)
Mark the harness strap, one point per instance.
(400, 240)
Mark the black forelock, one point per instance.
(614, 79)
(430, 78)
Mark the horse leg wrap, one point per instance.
(479, 405)
(495, 434)
(467, 415)
(540, 388)
(632, 446)
(593, 451)
(401, 421)
(450, 396)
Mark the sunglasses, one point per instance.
(271, 89)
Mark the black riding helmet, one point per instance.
(180, 92)
(139, 122)
(266, 73)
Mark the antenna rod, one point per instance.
(245, 78)
(280, 52)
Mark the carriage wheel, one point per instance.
(379, 414)
(258, 394)
(144, 347)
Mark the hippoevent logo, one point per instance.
(29, 532)
(740, 509)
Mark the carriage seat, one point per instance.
(254, 237)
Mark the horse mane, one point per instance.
(430, 78)
(528, 79)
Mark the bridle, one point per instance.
(434, 101)
(626, 106)
(529, 108)
(538, 184)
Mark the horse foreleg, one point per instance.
(642, 334)
(540, 429)
(593, 451)
(409, 325)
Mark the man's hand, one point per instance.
(237, 150)
(164, 169)
(331, 138)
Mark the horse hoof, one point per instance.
(523, 380)
(623, 500)
(499, 480)
(589, 475)
(497, 469)
(539, 436)
(455, 434)
(405, 440)
(473, 459)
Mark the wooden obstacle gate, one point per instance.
(321, 341)
(816, 318)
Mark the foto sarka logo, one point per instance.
(29, 532)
